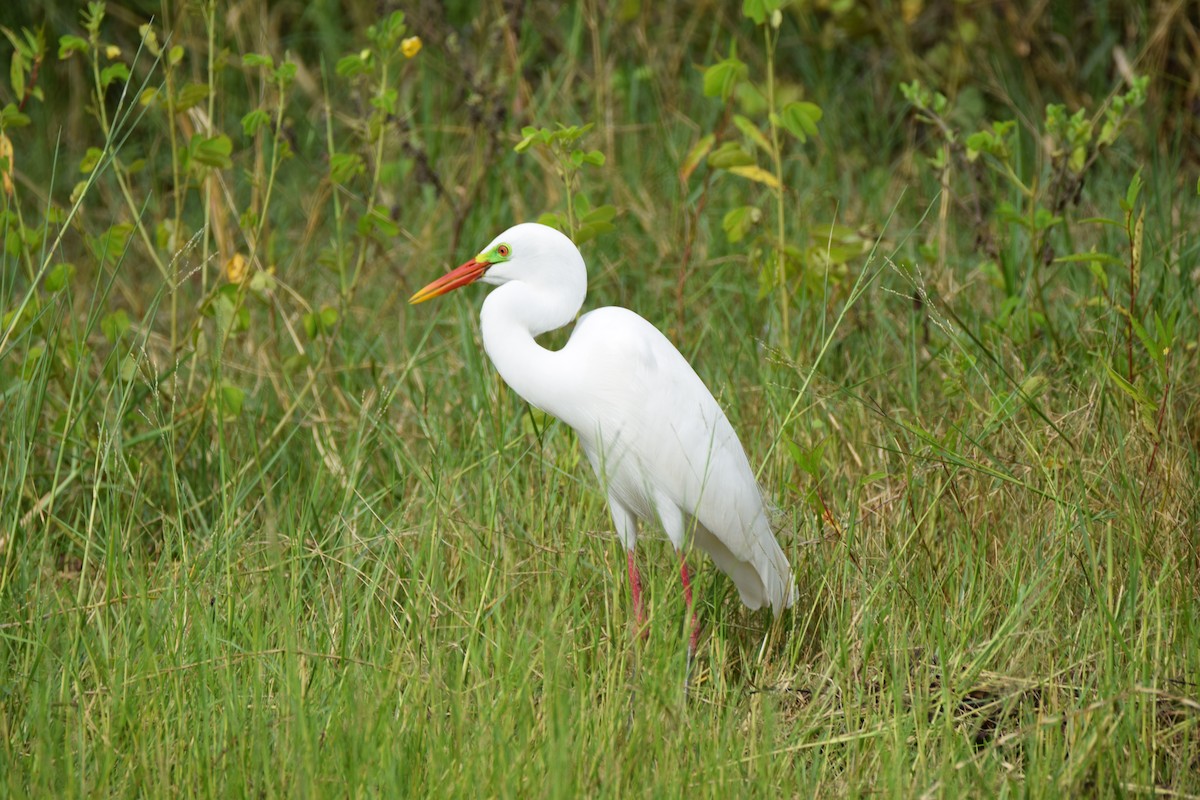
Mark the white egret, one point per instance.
(659, 443)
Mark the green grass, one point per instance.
(243, 558)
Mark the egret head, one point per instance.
(531, 253)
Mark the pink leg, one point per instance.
(687, 599)
(635, 583)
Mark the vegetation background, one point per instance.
(267, 531)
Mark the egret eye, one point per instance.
(503, 251)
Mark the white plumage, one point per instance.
(652, 431)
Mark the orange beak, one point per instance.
(460, 276)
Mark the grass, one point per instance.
(247, 551)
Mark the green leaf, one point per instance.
(1044, 219)
(90, 159)
(33, 357)
(128, 368)
(755, 10)
(588, 231)
(729, 155)
(1056, 119)
(377, 220)
(114, 325)
(553, 220)
(1032, 387)
(807, 461)
(1100, 275)
(915, 93)
(692, 160)
(352, 66)
(386, 101)
(530, 136)
(722, 78)
(344, 166)
(93, 16)
(978, 143)
(17, 320)
(295, 363)
(16, 74)
(110, 245)
(1102, 221)
(224, 310)
(1131, 194)
(230, 400)
(168, 236)
(1128, 388)
(751, 131)
(1153, 348)
(285, 73)
(23, 47)
(1077, 160)
(212, 151)
(387, 32)
(114, 72)
(738, 221)
(1089, 258)
(70, 44)
(254, 120)
(12, 117)
(190, 96)
(800, 119)
(757, 174)
(762, 10)
(59, 277)
(320, 322)
(262, 282)
(600, 214)
(257, 60)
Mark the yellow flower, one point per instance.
(6, 164)
(411, 46)
(235, 268)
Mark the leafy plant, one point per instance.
(762, 131)
(581, 222)
(261, 526)
(1042, 189)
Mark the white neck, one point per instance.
(512, 315)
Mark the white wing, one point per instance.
(662, 447)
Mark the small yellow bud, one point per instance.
(235, 268)
(410, 46)
(6, 164)
(910, 10)
(112, 51)
(150, 39)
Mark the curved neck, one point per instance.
(512, 315)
